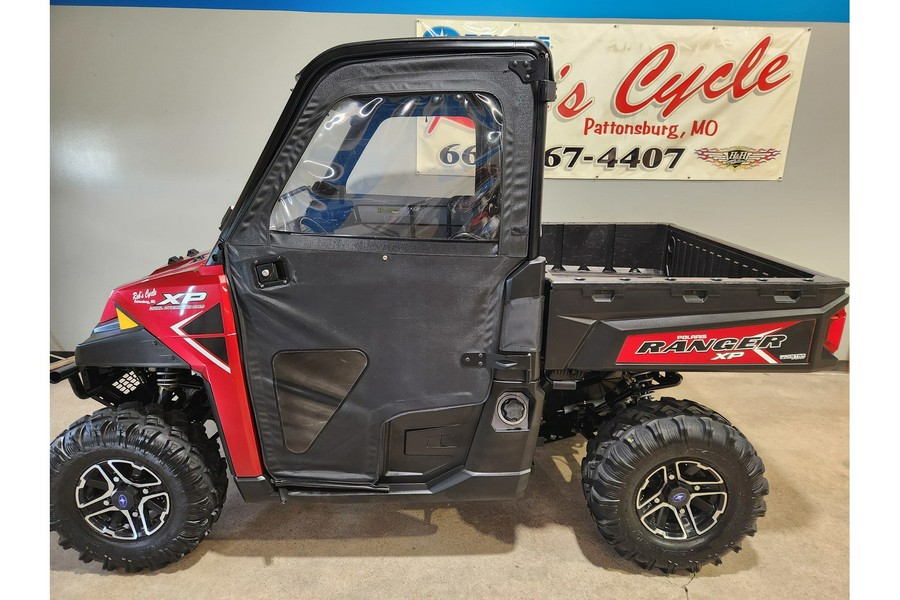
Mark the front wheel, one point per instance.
(133, 487)
(673, 486)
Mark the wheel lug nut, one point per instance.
(134, 514)
(696, 488)
(146, 491)
(671, 477)
(106, 503)
(115, 479)
(681, 511)
(657, 500)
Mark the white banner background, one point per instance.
(658, 101)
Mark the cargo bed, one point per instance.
(656, 296)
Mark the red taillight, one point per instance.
(835, 330)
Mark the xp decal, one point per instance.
(764, 343)
(182, 298)
(181, 301)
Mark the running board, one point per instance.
(330, 489)
(457, 485)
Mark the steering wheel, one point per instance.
(310, 224)
(465, 235)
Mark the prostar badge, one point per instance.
(737, 157)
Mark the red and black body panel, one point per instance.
(182, 316)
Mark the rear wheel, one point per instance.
(672, 485)
(134, 487)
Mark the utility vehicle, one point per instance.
(367, 330)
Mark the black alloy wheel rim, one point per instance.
(121, 499)
(681, 499)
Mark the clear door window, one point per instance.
(420, 167)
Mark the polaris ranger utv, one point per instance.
(366, 330)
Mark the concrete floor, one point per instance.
(544, 545)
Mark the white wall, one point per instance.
(157, 117)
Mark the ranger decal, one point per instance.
(765, 343)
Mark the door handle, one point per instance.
(270, 272)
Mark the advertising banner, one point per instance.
(651, 101)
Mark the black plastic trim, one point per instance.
(541, 97)
(527, 281)
(126, 348)
(256, 489)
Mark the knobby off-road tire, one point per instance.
(673, 485)
(165, 472)
(665, 406)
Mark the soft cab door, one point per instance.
(370, 250)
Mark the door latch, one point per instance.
(270, 273)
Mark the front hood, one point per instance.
(148, 291)
(183, 306)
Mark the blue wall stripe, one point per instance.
(804, 11)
